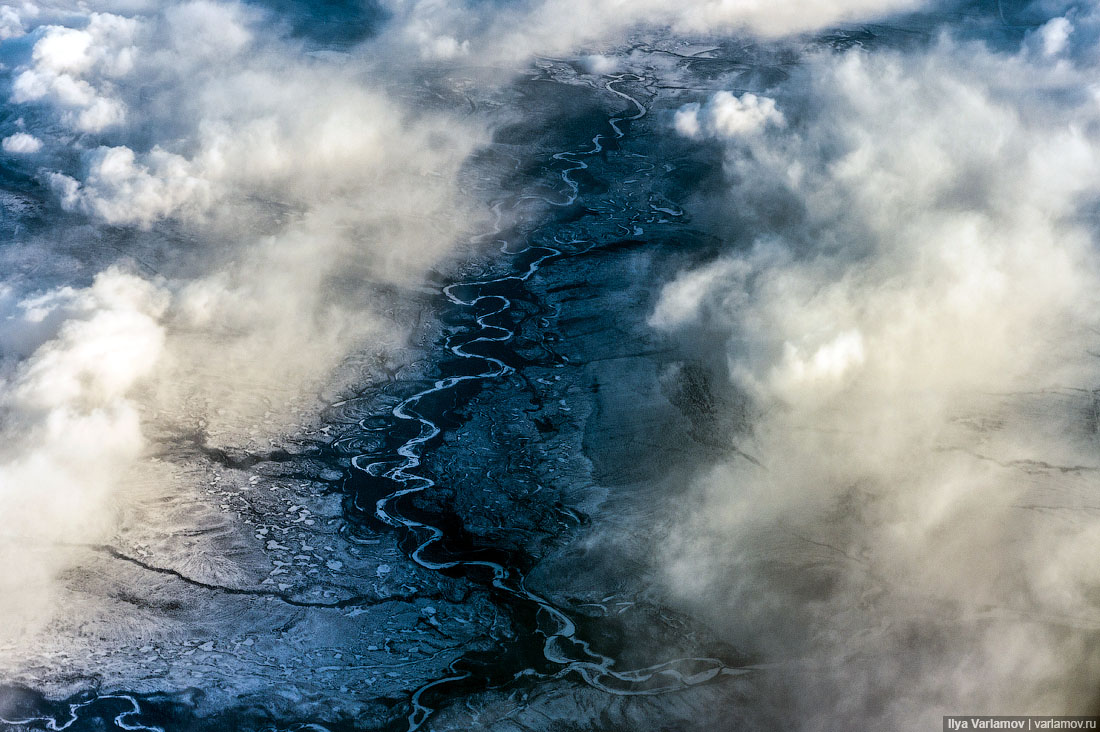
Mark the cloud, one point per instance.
(21, 144)
(598, 64)
(518, 30)
(241, 216)
(908, 303)
(71, 427)
(11, 26)
(1054, 35)
(65, 62)
(289, 172)
(119, 190)
(726, 115)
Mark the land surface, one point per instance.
(461, 532)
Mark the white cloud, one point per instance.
(119, 190)
(71, 428)
(65, 62)
(600, 64)
(11, 25)
(682, 299)
(686, 120)
(106, 338)
(63, 50)
(726, 115)
(21, 144)
(278, 192)
(520, 30)
(303, 163)
(1054, 36)
(821, 371)
(732, 116)
(912, 327)
(205, 29)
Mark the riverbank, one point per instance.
(588, 443)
